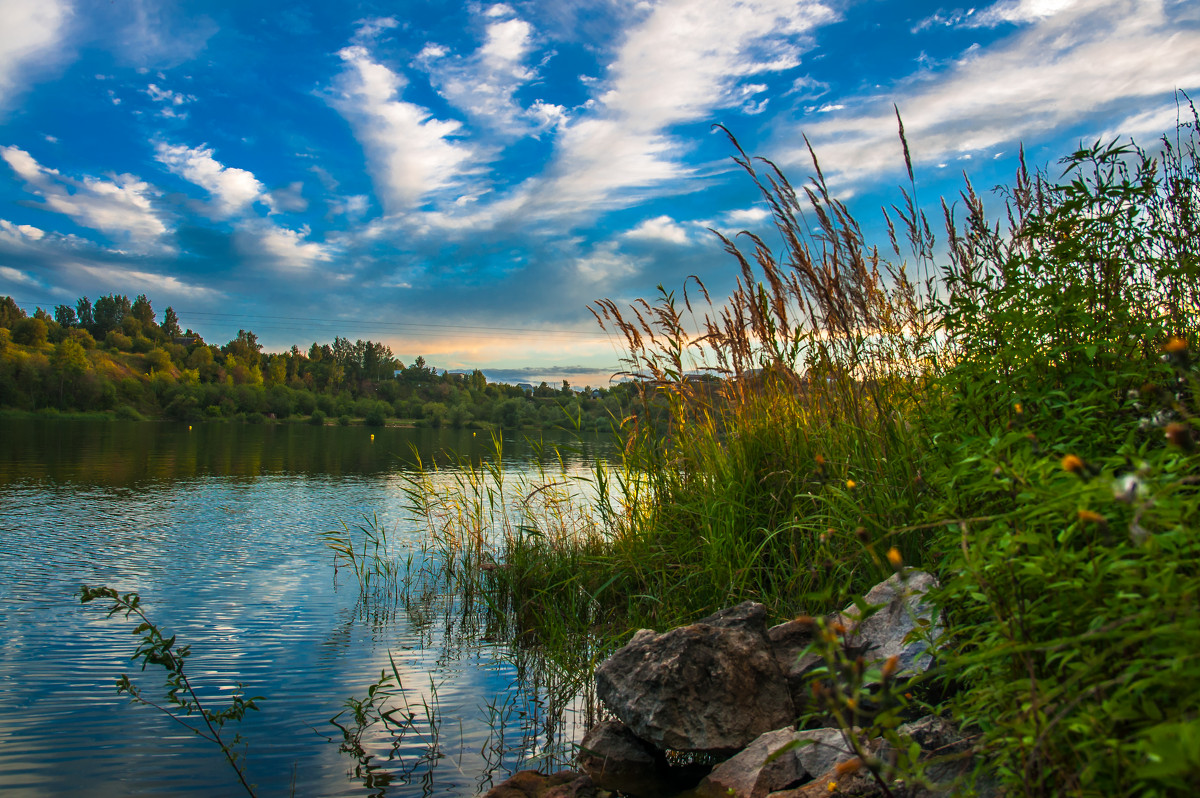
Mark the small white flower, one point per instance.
(1128, 488)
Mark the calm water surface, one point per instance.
(219, 529)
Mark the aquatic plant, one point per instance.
(181, 700)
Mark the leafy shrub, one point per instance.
(344, 420)
(317, 419)
(30, 332)
(129, 413)
(119, 341)
(255, 418)
(377, 415)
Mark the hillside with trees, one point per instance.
(115, 356)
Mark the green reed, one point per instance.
(1014, 410)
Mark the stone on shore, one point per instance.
(712, 686)
(883, 634)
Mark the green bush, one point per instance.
(129, 413)
(344, 420)
(317, 419)
(377, 415)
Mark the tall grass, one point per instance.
(1013, 409)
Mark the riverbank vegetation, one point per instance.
(1012, 407)
(115, 357)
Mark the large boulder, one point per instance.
(712, 686)
(905, 607)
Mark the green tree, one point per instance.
(109, 312)
(170, 323)
(70, 361)
(83, 309)
(143, 312)
(10, 313)
(245, 349)
(30, 331)
(157, 359)
(199, 356)
(65, 316)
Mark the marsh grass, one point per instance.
(1014, 409)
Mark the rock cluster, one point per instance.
(730, 688)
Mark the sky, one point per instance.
(461, 180)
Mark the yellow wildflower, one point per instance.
(1072, 463)
(832, 786)
(894, 557)
(1175, 345)
(850, 484)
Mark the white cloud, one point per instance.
(30, 34)
(679, 62)
(141, 282)
(605, 264)
(660, 228)
(11, 275)
(412, 154)
(289, 198)
(20, 232)
(746, 216)
(120, 206)
(368, 29)
(167, 96)
(484, 84)
(153, 35)
(233, 190)
(281, 248)
(1087, 61)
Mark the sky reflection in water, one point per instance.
(218, 529)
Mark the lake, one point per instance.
(219, 528)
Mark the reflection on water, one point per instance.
(218, 528)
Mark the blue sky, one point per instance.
(460, 180)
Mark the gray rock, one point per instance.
(788, 642)
(711, 686)
(747, 774)
(826, 749)
(617, 759)
(881, 635)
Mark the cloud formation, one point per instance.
(121, 207)
(412, 154)
(28, 37)
(1071, 61)
(233, 190)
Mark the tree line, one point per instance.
(116, 356)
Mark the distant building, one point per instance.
(526, 387)
(186, 340)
